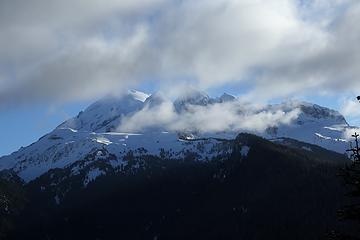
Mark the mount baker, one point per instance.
(139, 123)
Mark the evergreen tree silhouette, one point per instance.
(351, 177)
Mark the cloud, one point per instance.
(65, 50)
(230, 116)
(329, 66)
(149, 117)
(350, 108)
(35, 30)
(349, 132)
(93, 68)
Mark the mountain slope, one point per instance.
(105, 114)
(256, 190)
(316, 125)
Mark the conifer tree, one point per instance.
(351, 177)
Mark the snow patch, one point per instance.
(244, 151)
(92, 175)
(141, 96)
(322, 136)
(103, 140)
(307, 148)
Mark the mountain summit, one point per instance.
(191, 97)
(105, 114)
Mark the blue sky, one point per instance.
(24, 125)
(55, 59)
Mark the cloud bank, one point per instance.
(219, 117)
(66, 50)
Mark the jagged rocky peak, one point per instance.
(312, 112)
(106, 112)
(192, 97)
(319, 112)
(200, 98)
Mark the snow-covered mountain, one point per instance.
(104, 115)
(192, 97)
(316, 125)
(93, 132)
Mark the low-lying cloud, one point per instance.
(225, 117)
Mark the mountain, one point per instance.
(12, 201)
(95, 129)
(225, 98)
(105, 114)
(192, 97)
(251, 188)
(88, 180)
(156, 99)
(315, 124)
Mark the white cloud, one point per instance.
(350, 108)
(349, 132)
(219, 41)
(156, 117)
(66, 50)
(231, 116)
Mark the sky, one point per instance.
(56, 57)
